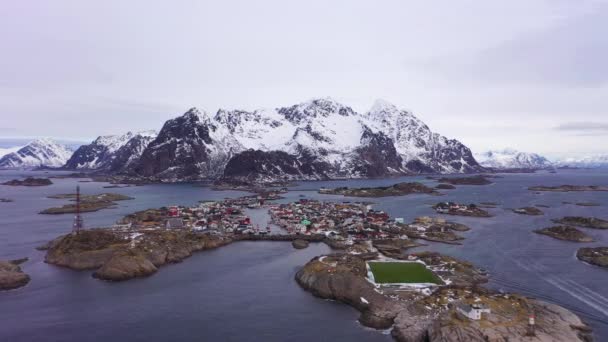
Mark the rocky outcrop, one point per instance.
(11, 275)
(566, 233)
(121, 255)
(596, 256)
(124, 265)
(473, 180)
(342, 278)
(30, 181)
(528, 211)
(300, 244)
(552, 323)
(568, 188)
(399, 189)
(418, 317)
(588, 222)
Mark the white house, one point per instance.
(472, 311)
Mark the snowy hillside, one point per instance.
(317, 139)
(6, 150)
(110, 152)
(40, 152)
(596, 161)
(512, 159)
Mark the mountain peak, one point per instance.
(381, 105)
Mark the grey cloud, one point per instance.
(584, 129)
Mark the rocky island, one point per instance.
(451, 208)
(30, 181)
(588, 222)
(399, 189)
(88, 203)
(528, 211)
(565, 233)
(124, 254)
(473, 180)
(597, 256)
(444, 186)
(568, 188)
(11, 275)
(434, 229)
(437, 310)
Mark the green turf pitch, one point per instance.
(402, 272)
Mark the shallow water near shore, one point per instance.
(246, 291)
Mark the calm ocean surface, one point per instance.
(246, 292)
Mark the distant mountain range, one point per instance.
(40, 152)
(512, 159)
(317, 139)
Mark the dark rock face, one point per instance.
(182, 150)
(110, 154)
(258, 166)
(86, 155)
(377, 156)
(127, 155)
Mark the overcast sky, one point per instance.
(526, 74)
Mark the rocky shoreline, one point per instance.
(88, 203)
(11, 275)
(473, 180)
(419, 316)
(588, 222)
(568, 188)
(597, 256)
(528, 211)
(399, 189)
(565, 233)
(30, 181)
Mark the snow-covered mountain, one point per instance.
(512, 159)
(40, 152)
(595, 161)
(111, 153)
(6, 150)
(317, 139)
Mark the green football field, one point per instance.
(402, 272)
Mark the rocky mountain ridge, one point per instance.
(38, 153)
(317, 139)
(512, 159)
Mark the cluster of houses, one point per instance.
(449, 207)
(219, 217)
(350, 221)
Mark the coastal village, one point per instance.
(371, 266)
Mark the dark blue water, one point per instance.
(246, 292)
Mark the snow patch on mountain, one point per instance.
(38, 153)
